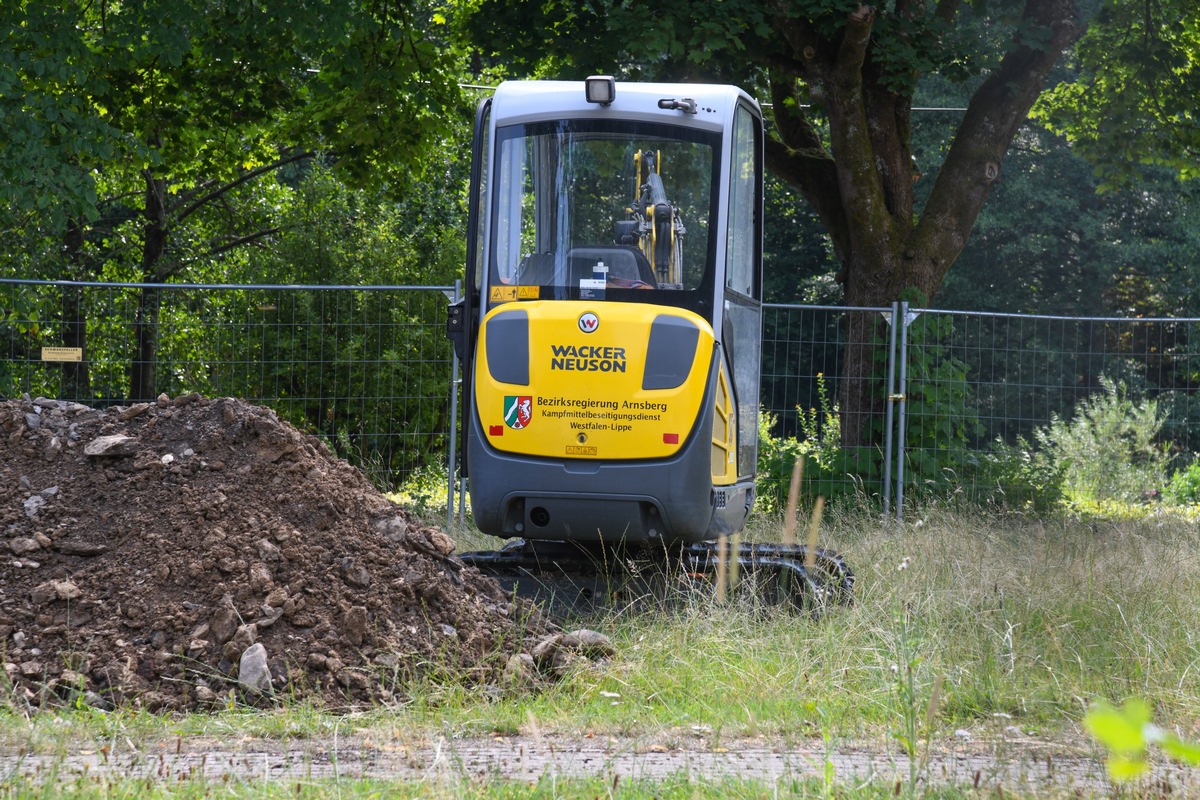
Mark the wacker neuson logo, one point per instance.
(572, 358)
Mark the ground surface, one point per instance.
(997, 767)
(146, 552)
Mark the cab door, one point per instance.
(742, 323)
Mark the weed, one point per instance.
(1109, 448)
(822, 429)
(915, 727)
(424, 491)
(1184, 486)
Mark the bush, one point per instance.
(1020, 478)
(424, 491)
(776, 457)
(941, 422)
(822, 429)
(1184, 487)
(830, 470)
(1109, 449)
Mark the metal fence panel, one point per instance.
(980, 382)
(804, 383)
(366, 368)
(978, 388)
(369, 370)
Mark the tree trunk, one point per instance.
(860, 176)
(142, 380)
(76, 380)
(142, 370)
(862, 390)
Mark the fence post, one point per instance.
(902, 398)
(891, 398)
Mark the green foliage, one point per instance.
(713, 39)
(323, 354)
(1107, 452)
(151, 138)
(830, 470)
(1128, 732)
(822, 429)
(941, 423)
(915, 716)
(1109, 448)
(776, 457)
(1018, 477)
(1184, 486)
(1133, 104)
(424, 491)
(199, 94)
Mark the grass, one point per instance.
(1013, 623)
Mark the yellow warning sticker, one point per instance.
(576, 450)
(507, 294)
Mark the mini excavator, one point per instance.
(610, 332)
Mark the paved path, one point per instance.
(1020, 767)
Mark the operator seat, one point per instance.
(627, 265)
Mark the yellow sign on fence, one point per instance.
(62, 354)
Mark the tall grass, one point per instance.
(1020, 623)
(1024, 622)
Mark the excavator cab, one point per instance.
(611, 323)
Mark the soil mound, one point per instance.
(188, 552)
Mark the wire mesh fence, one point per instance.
(978, 399)
(949, 404)
(365, 368)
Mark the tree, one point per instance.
(841, 77)
(1133, 104)
(161, 110)
(335, 360)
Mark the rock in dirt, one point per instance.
(560, 652)
(254, 676)
(252, 557)
(117, 445)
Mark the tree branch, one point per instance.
(791, 122)
(243, 240)
(799, 158)
(199, 203)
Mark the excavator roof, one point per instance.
(690, 104)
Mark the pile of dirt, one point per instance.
(194, 551)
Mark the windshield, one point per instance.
(588, 207)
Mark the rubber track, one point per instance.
(576, 577)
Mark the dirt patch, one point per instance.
(188, 552)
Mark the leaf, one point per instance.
(1180, 750)
(1121, 731)
(1124, 768)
